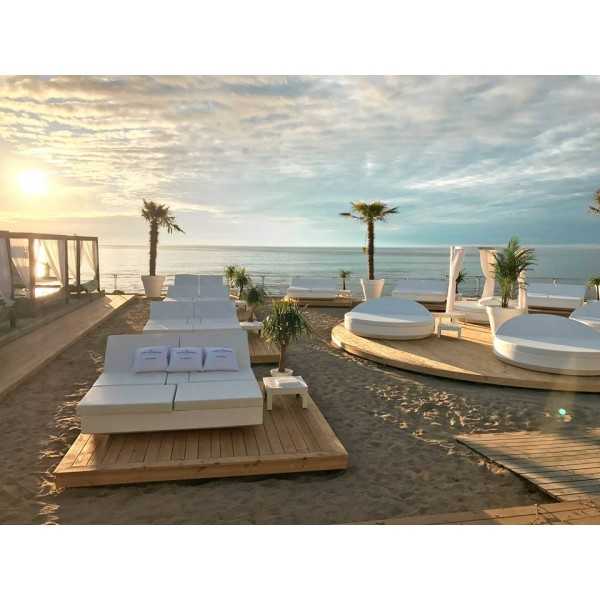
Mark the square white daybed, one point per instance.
(555, 295)
(170, 317)
(123, 401)
(421, 290)
(313, 288)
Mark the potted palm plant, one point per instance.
(343, 276)
(595, 283)
(369, 213)
(510, 264)
(159, 216)
(241, 279)
(254, 297)
(285, 324)
(230, 274)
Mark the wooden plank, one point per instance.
(292, 425)
(230, 452)
(280, 425)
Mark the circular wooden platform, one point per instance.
(468, 359)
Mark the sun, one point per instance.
(33, 183)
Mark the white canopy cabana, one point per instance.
(457, 254)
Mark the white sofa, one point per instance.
(555, 295)
(421, 290)
(549, 343)
(313, 288)
(187, 315)
(123, 401)
(390, 319)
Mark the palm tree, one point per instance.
(595, 209)
(343, 276)
(369, 213)
(595, 282)
(285, 324)
(462, 274)
(511, 262)
(230, 274)
(159, 216)
(241, 279)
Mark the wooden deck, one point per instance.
(578, 512)
(468, 359)
(564, 465)
(290, 440)
(261, 351)
(24, 356)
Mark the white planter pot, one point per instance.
(277, 373)
(498, 315)
(372, 288)
(153, 285)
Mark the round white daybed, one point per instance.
(549, 344)
(390, 319)
(588, 314)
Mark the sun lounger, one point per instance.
(560, 296)
(170, 316)
(313, 288)
(124, 401)
(421, 290)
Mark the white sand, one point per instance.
(398, 429)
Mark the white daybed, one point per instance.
(123, 401)
(421, 290)
(588, 314)
(182, 279)
(390, 318)
(313, 288)
(549, 343)
(555, 295)
(170, 316)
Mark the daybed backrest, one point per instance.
(235, 339)
(210, 279)
(212, 289)
(182, 291)
(422, 285)
(171, 310)
(214, 309)
(120, 349)
(316, 283)
(544, 327)
(186, 280)
(557, 289)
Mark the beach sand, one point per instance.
(398, 429)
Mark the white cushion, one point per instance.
(129, 378)
(200, 376)
(205, 324)
(189, 358)
(106, 400)
(220, 359)
(218, 394)
(167, 325)
(151, 358)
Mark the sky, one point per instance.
(274, 160)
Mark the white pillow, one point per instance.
(220, 359)
(150, 358)
(185, 359)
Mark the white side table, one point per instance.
(285, 386)
(441, 326)
(253, 326)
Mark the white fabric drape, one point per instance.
(5, 278)
(72, 252)
(55, 253)
(487, 260)
(89, 261)
(457, 254)
(19, 249)
(522, 298)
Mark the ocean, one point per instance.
(122, 265)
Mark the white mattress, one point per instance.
(390, 318)
(421, 290)
(550, 344)
(550, 295)
(588, 314)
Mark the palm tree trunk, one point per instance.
(281, 366)
(153, 246)
(371, 248)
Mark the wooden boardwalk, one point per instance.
(261, 351)
(290, 440)
(332, 303)
(24, 356)
(577, 512)
(564, 465)
(468, 359)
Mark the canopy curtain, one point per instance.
(72, 251)
(5, 277)
(55, 254)
(457, 254)
(19, 250)
(522, 297)
(487, 259)
(89, 260)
